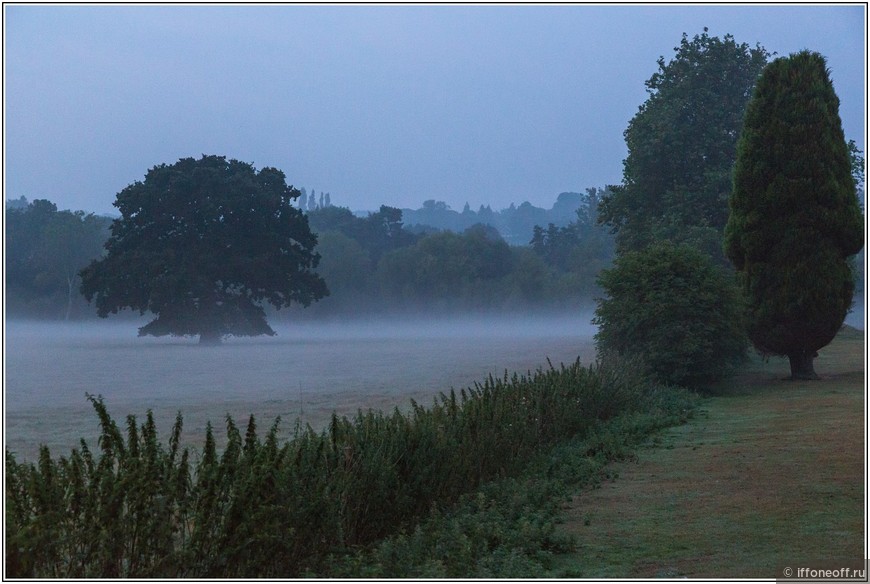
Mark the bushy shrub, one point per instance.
(509, 527)
(672, 307)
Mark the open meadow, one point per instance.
(307, 371)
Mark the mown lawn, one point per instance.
(769, 471)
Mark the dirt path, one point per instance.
(768, 472)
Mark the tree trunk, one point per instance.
(69, 296)
(802, 365)
(209, 338)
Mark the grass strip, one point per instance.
(768, 472)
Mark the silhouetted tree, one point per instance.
(682, 145)
(580, 244)
(203, 244)
(448, 270)
(794, 217)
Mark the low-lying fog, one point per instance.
(306, 372)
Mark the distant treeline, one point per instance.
(376, 263)
(372, 264)
(45, 249)
(515, 224)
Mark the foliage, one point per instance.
(475, 269)
(346, 267)
(794, 217)
(140, 508)
(377, 233)
(672, 307)
(203, 244)
(45, 249)
(856, 160)
(447, 269)
(509, 527)
(682, 147)
(582, 248)
(515, 223)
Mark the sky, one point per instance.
(489, 105)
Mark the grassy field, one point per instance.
(769, 471)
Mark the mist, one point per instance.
(307, 371)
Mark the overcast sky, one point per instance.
(374, 104)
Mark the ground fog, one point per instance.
(304, 373)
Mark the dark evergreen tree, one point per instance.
(682, 146)
(794, 216)
(203, 244)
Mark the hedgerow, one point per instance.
(141, 508)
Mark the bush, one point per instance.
(670, 306)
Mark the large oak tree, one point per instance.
(204, 245)
(794, 217)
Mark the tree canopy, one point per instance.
(204, 244)
(448, 269)
(45, 249)
(682, 147)
(377, 233)
(795, 217)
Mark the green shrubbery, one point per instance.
(509, 527)
(141, 508)
(669, 305)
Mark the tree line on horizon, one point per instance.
(371, 264)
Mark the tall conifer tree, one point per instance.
(794, 217)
